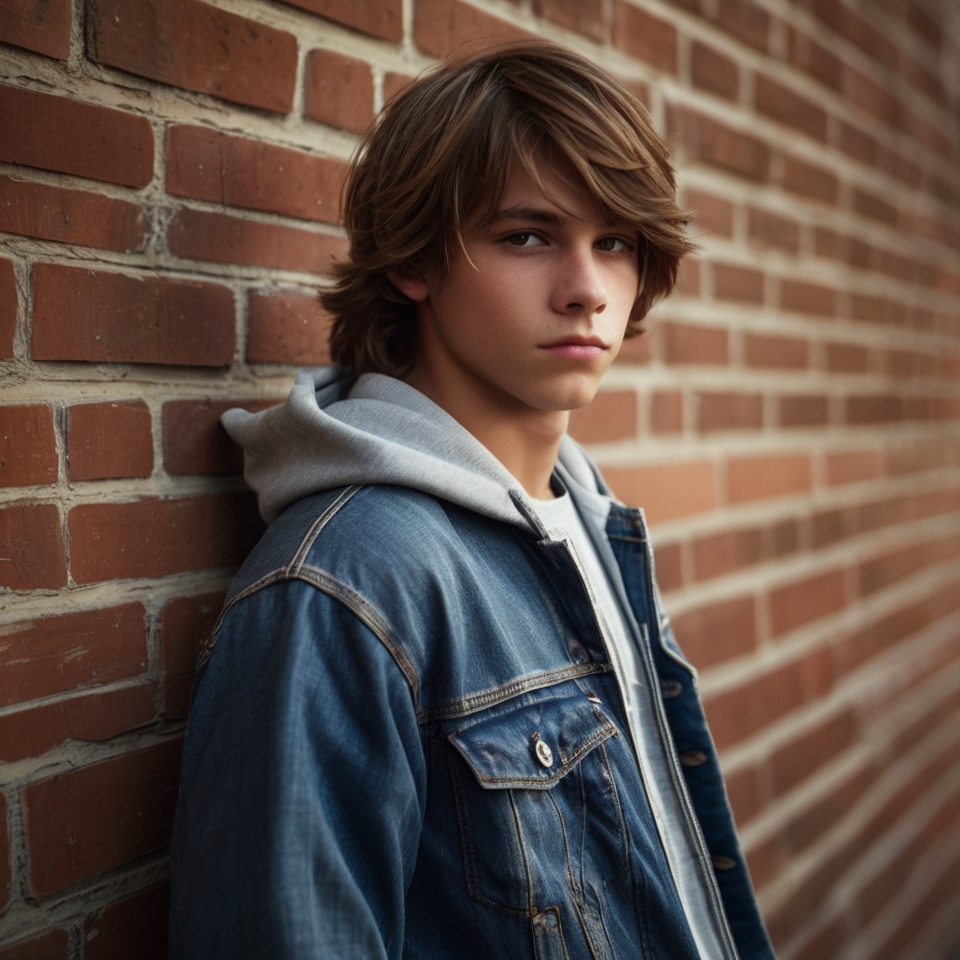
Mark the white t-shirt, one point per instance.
(563, 522)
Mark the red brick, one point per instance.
(766, 229)
(441, 27)
(804, 410)
(880, 408)
(95, 716)
(117, 318)
(737, 283)
(782, 104)
(134, 926)
(758, 478)
(666, 491)
(708, 141)
(711, 70)
(194, 441)
(794, 763)
(666, 411)
(62, 653)
(153, 537)
(898, 166)
(711, 214)
(846, 358)
(583, 16)
(729, 411)
(610, 416)
(857, 144)
(874, 207)
(338, 90)
(787, 353)
(28, 452)
(43, 27)
(8, 309)
(811, 181)
(872, 309)
(721, 553)
(688, 278)
(198, 47)
(393, 83)
(55, 133)
(88, 820)
(716, 632)
(31, 548)
(746, 21)
(236, 172)
(811, 298)
(897, 265)
(109, 440)
(802, 830)
(852, 467)
(5, 874)
(669, 567)
(896, 565)
(382, 19)
(685, 343)
(53, 945)
(638, 349)
(798, 604)
(287, 328)
(814, 59)
(216, 237)
(837, 246)
(645, 37)
(184, 624)
(70, 216)
(743, 791)
(857, 30)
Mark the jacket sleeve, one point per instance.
(302, 789)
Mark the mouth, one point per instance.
(576, 347)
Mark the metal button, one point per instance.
(544, 753)
(692, 758)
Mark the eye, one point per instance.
(524, 239)
(614, 245)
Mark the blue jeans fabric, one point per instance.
(407, 741)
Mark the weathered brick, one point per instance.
(70, 216)
(219, 238)
(711, 213)
(769, 350)
(780, 103)
(666, 411)
(393, 83)
(184, 624)
(42, 26)
(153, 537)
(134, 926)
(711, 70)
(767, 229)
(686, 343)
(708, 141)
(441, 27)
(794, 763)
(797, 604)
(804, 410)
(117, 318)
(382, 19)
(31, 547)
(56, 133)
(729, 411)
(761, 477)
(583, 16)
(737, 283)
(666, 491)
(206, 164)
(109, 440)
(94, 716)
(62, 653)
(199, 47)
(194, 440)
(93, 818)
(809, 180)
(610, 416)
(287, 328)
(716, 632)
(8, 308)
(645, 37)
(28, 452)
(802, 297)
(53, 945)
(338, 90)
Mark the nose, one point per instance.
(578, 286)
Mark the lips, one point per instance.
(576, 347)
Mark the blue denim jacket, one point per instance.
(407, 741)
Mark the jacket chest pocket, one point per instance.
(539, 813)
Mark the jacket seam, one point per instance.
(299, 558)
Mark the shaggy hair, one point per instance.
(442, 152)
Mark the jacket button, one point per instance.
(671, 688)
(724, 863)
(578, 653)
(692, 758)
(544, 753)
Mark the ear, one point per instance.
(410, 283)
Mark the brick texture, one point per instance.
(381, 19)
(185, 623)
(138, 922)
(28, 453)
(109, 440)
(48, 946)
(31, 542)
(339, 90)
(42, 27)
(8, 308)
(287, 328)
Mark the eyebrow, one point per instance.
(539, 215)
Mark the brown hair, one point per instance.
(442, 152)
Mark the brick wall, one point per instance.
(169, 181)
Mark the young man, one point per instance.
(442, 715)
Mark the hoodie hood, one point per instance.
(336, 430)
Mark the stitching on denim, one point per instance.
(489, 698)
(523, 850)
(301, 555)
(621, 536)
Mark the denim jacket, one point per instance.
(408, 741)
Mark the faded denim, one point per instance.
(365, 773)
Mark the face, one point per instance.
(535, 320)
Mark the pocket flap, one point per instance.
(533, 746)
